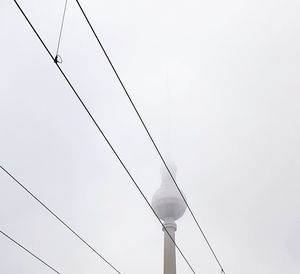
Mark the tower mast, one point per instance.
(169, 206)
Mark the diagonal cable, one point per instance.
(60, 32)
(149, 134)
(58, 218)
(103, 135)
(29, 252)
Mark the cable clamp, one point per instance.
(57, 59)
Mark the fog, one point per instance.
(217, 84)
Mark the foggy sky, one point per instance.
(217, 83)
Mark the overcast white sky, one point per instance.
(217, 83)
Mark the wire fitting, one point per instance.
(57, 59)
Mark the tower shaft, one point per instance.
(169, 249)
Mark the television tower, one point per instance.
(167, 202)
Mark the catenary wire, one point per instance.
(104, 136)
(58, 218)
(28, 251)
(61, 29)
(149, 134)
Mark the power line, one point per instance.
(104, 136)
(59, 219)
(32, 254)
(149, 135)
(60, 33)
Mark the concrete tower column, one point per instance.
(169, 206)
(169, 248)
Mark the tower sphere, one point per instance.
(167, 201)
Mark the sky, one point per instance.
(217, 83)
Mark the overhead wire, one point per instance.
(60, 220)
(29, 252)
(149, 135)
(103, 135)
(58, 58)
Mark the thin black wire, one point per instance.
(148, 132)
(104, 136)
(61, 27)
(32, 254)
(58, 218)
